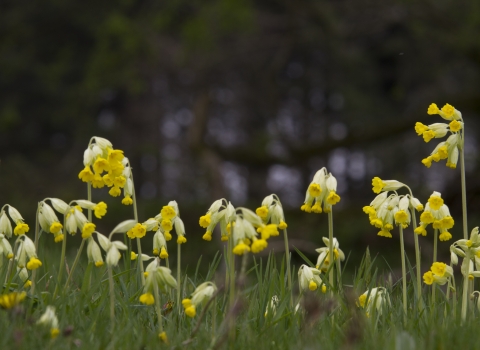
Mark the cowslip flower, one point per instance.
(26, 250)
(49, 319)
(201, 295)
(377, 298)
(111, 248)
(101, 156)
(220, 212)
(439, 273)
(49, 221)
(6, 226)
(323, 260)
(448, 149)
(157, 277)
(321, 191)
(10, 300)
(271, 210)
(272, 305)
(437, 214)
(93, 253)
(309, 278)
(5, 249)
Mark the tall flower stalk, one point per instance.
(322, 191)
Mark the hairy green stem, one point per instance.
(75, 263)
(465, 287)
(37, 231)
(418, 262)
(330, 249)
(112, 299)
(287, 261)
(464, 191)
(62, 262)
(139, 244)
(179, 252)
(404, 276)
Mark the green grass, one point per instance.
(322, 322)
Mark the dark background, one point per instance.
(239, 99)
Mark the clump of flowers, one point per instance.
(437, 214)
(200, 296)
(377, 298)
(448, 149)
(220, 212)
(49, 320)
(322, 191)
(271, 210)
(324, 259)
(309, 278)
(110, 168)
(10, 300)
(439, 273)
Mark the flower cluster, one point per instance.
(437, 214)
(468, 249)
(386, 210)
(448, 149)
(5, 225)
(309, 278)
(323, 260)
(272, 211)
(157, 277)
(200, 296)
(49, 319)
(220, 212)
(439, 273)
(101, 156)
(376, 297)
(321, 191)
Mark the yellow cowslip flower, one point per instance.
(34, 263)
(309, 278)
(439, 268)
(115, 155)
(168, 212)
(455, 126)
(147, 299)
(119, 181)
(314, 189)
(21, 228)
(262, 212)
(241, 248)
(49, 319)
(133, 256)
(163, 253)
(420, 230)
(87, 230)
(435, 202)
(433, 109)
(97, 181)
(428, 277)
(167, 225)
(114, 191)
(8, 301)
(101, 165)
(201, 295)
(163, 337)
(333, 198)
(181, 240)
(428, 135)
(207, 236)
(258, 245)
(448, 111)
(100, 209)
(205, 220)
(86, 175)
(420, 128)
(127, 200)
(445, 236)
(401, 216)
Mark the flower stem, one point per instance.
(287, 261)
(158, 309)
(37, 231)
(404, 276)
(62, 262)
(435, 242)
(112, 299)
(139, 244)
(179, 252)
(232, 287)
(418, 262)
(464, 191)
(465, 287)
(75, 262)
(330, 249)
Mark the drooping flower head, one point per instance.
(387, 210)
(222, 213)
(377, 298)
(49, 319)
(437, 214)
(324, 259)
(271, 210)
(448, 149)
(321, 193)
(201, 295)
(157, 277)
(309, 278)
